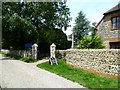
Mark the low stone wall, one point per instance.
(102, 60)
(23, 53)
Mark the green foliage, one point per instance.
(90, 42)
(58, 55)
(28, 60)
(56, 36)
(81, 27)
(19, 32)
(85, 78)
(30, 22)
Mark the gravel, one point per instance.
(18, 74)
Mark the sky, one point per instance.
(93, 9)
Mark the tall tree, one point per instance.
(81, 27)
(18, 32)
(56, 36)
(30, 19)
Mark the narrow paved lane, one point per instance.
(18, 74)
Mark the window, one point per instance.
(115, 45)
(116, 22)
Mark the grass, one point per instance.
(28, 60)
(84, 78)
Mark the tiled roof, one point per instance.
(116, 8)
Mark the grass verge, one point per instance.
(28, 60)
(87, 79)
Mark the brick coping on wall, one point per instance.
(91, 50)
(96, 72)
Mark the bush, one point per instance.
(90, 42)
(28, 60)
(58, 54)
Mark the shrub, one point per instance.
(58, 54)
(90, 42)
(28, 60)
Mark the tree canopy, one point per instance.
(81, 27)
(28, 22)
(81, 32)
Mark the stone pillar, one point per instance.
(52, 50)
(53, 60)
(34, 51)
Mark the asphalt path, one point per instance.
(18, 74)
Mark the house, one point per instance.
(109, 28)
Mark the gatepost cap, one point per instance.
(53, 45)
(35, 45)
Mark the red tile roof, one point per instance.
(116, 8)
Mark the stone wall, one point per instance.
(101, 60)
(23, 53)
(104, 29)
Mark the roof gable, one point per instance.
(116, 8)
